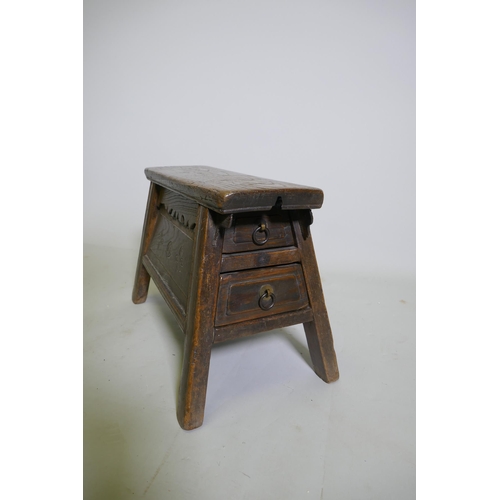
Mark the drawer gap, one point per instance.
(261, 258)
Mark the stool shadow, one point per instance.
(301, 348)
(173, 330)
(283, 333)
(237, 385)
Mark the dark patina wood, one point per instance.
(200, 322)
(318, 331)
(243, 237)
(265, 324)
(232, 256)
(142, 277)
(171, 249)
(241, 292)
(229, 192)
(260, 258)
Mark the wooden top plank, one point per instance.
(230, 192)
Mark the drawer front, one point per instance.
(253, 232)
(246, 295)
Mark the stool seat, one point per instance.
(232, 255)
(229, 192)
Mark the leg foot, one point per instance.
(320, 342)
(318, 332)
(194, 379)
(200, 322)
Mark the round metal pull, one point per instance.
(258, 230)
(267, 300)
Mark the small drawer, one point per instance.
(246, 295)
(253, 232)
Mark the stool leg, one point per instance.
(142, 278)
(200, 322)
(318, 332)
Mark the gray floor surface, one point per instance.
(273, 429)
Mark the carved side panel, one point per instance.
(180, 208)
(171, 250)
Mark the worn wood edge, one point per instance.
(323, 354)
(228, 202)
(199, 322)
(327, 376)
(266, 258)
(142, 278)
(253, 327)
(165, 292)
(233, 200)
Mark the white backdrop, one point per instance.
(314, 92)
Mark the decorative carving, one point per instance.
(180, 208)
(179, 217)
(170, 252)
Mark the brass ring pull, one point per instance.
(267, 300)
(260, 229)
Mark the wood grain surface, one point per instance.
(231, 192)
(239, 293)
(245, 233)
(232, 255)
(142, 277)
(318, 332)
(170, 252)
(200, 322)
(260, 258)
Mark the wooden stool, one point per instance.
(232, 256)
